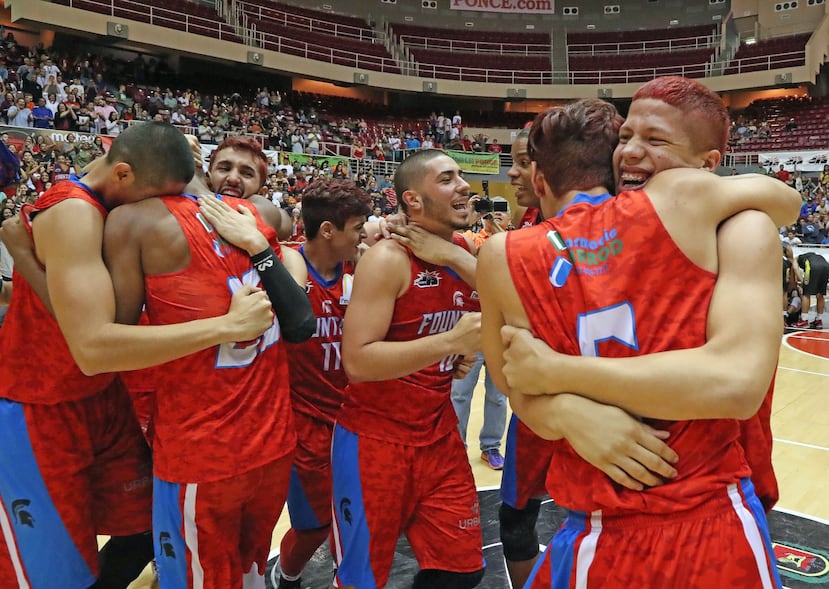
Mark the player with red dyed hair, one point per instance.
(589, 285)
(238, 167)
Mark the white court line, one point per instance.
(804, 371)
(799, 334)
(803, 515)
(804, 445)
(807, 335)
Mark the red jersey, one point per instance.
(608, 280)
(224, 410)
(459, 239)
(532, 216)
(317, 375)
(39, 366)
(60, 174)
(757, 440)
(414, 410)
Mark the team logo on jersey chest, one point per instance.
(428, 279)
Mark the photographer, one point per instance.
(493, 214)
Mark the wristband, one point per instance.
(263, 260)
(289, 301)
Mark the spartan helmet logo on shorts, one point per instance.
(345, 510)
(164, 542)
(22, 515)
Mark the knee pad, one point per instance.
(438, 579)
(518, 535)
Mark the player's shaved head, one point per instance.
(412, 169)
(157, 152)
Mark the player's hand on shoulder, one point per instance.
(236, 226)
(467, 334)
(426, 246)
(388, 223)
(250, 314)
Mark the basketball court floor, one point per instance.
(799, 523)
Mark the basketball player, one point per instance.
(712, 484)
(334, 212)
(527, 456)
(815, 276)
(73, 463)
(238, 167)
(518, 526)
(639, 159)
(528, 210)
(398, 463)
(223, 426)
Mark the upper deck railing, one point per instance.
(164, 17)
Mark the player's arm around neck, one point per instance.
(715, 198)
(68, 239)
(436, 250)
(381, 278)
(284, 280)
(729, 375)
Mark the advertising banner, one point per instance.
(505, 6)
(17, 136)
(805, 161)
(472, 162)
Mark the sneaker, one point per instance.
(493, 458)
(802, 323)
(816, 324)
(286, 584)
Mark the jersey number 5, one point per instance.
(240, 354)
(609, 323)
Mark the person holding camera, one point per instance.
(495, 215)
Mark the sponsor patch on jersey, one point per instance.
(801, 563)
(560, 271)
(428, 279)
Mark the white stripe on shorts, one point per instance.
(11, 544)
(191, 537)
(587, 550)
(753, 535)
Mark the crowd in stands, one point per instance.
(812, 227)
(89, 96)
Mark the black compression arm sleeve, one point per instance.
(290, 303)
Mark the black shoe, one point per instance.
(286, 584)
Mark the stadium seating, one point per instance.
(780, 52)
